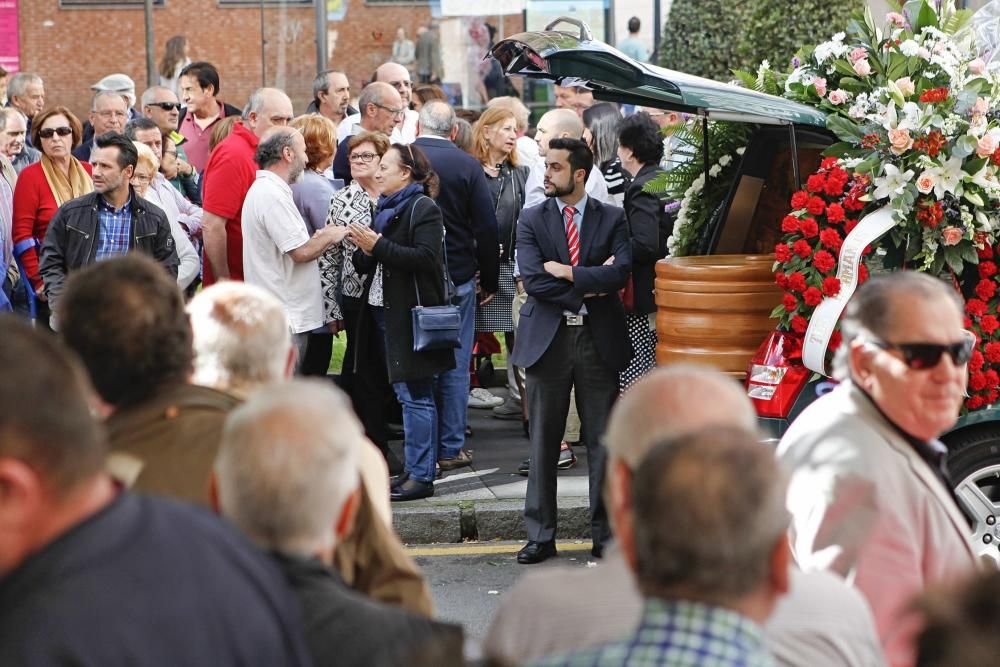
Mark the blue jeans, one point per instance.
(451, 388)
(420, 419)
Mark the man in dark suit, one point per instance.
(471, 239)
(574, 255)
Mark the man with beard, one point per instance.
(278, 253)
(331, 96)
(574, 255)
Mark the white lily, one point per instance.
(893, 183)
(949, 175)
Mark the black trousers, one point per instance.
(571, 360)
(316, 361)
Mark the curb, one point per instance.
(482, 520)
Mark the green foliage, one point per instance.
(701, 37)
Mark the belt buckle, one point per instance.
(574, 320)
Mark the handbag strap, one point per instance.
(449, 286)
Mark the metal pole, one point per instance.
(263, 43)
(321, 49)
(151, 78)
(657, 27)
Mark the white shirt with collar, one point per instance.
(534, 188)
(273, 227)
(404, 134)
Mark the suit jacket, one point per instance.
(649, 229)
(83, 151)
(469, 215)
(541, 237)
(866, 506)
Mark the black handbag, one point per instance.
(435, 327)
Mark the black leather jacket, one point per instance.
(71, 240)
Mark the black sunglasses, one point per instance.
(167, 106)
(48, 132)
(924, 356)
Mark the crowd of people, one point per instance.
(176, 487)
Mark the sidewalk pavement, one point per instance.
(486, 501)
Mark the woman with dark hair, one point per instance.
(175, 58)
(45, 186)
(640, 148)
(406, 245)
(601, 134)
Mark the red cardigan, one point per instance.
(34, 206)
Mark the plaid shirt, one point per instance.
(676, 633)
(114, 234)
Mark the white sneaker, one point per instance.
(483, 399)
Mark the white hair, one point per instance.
(241, 337)
(288, 463)
(672, 401)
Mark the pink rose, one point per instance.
(951, 235)
(900, 141)
(926, 182)
(820, 86)
(857, 54)
(837, 97)
(906, 86)
(986, 145)
(980, 107)
(862, 67)
(977, 66)
(896, 19)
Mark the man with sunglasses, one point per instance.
(869, 490)
(160, 105)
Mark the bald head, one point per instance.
(555, 124)
(398, 77)
(673, 401)
(266, 108)
(381, 107)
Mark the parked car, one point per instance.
(787, 141)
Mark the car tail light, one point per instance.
(775, 375)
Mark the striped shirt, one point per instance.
(114, 235)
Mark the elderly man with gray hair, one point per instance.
(26, 93)
(278, 253)
(13, 139)
(822, 622)
(286, 475)
(108, 113)
(380, 109)
(869, 493)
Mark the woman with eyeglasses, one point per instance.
(146, 172)
(403, 253)
(45, 186)
(363, 375)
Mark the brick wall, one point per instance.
(73, 48)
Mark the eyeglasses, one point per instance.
(362, 157)
(111, 113)
(48, 132)
(394, 112)
(924, 356)
(167, 106)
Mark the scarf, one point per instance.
(389, 207)
(64, 189)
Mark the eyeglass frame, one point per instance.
(167, 106)
(361, 157)
(910, 351)
(49, 132)
(395, 112)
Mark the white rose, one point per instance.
(725, 160)
(909, 48)
(715, 171)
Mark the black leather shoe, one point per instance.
(597, 551)
(536, 552)
(412, 489)
(398, 479)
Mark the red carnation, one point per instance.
(987, 269)
(816, 183)
(992, 379)
(977, 381)
(985, 289)
(809, 228)
(849, 226)
(800, 199)
(975, 307)
(824, 261)
(835, 186)
(782, 253)
(781, 280)
(831, 286)
(799, 324)
(977, 361)
(790, 303)
(828, 163)
(986, 252)
(835, 340)
(831, 239)
(802, 248)
(797, 282)
(789, 224)
(835, 213)
(862, 273)
(966, 322)
(992, 351)
(988, 324)
(974, 402)
(812, 297)
(816, 205)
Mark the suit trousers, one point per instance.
(570, 361)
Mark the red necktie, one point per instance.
(572, 235)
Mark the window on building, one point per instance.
(267, 3)
(137, 4)
(397, 2)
